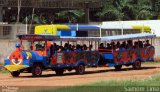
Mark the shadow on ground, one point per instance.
(90, 72)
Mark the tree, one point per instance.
(71, 16)
(125, 10)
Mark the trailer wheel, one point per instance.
(118, 67)
(15, 73)
(80, 69)
(59, 72)
(136, 65)
(36, 70)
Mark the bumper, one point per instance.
(12, 68)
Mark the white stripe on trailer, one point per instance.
(128, 37)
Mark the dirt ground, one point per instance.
(49, 78)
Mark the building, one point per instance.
(9, 8)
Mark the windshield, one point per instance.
(36, 45)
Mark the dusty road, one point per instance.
(49, 78)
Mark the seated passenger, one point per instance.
(129, 44)
(90, 47)
(39, 46)
(84, 47)
(109, 46)
(122, 47)
(117, 46)
(73, 47)
(101, 47)
(147, 43)
(66, 47)
(78, 47)
(135, 45)
(140, 44)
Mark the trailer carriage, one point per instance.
(36, 60)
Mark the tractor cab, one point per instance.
(31, 51)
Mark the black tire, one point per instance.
(15, 74)
(136, 65)
(36, 70)
(118, 67)
(59, 72)
(80, 69)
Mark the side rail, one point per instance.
(146, 54)
(130, 55)
(90, 58)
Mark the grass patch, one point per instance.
(113, 86)
(2, 70)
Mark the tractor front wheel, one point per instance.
(15, 73)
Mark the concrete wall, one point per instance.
(6, 47)
(13, 29)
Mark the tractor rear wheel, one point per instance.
(36, 70)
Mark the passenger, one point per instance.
(52, 50)
(140, 44)
(117, 46)
(109, 46)
(135, 45)
(147, 43)
(73, 47)
(39, 46)
(113, 45)
(60, 48)
(78, 47)
(101, 47)
(122, 47)
(48, 49)
(66, 47)
(90, 47)
(124, 44)
(84, 47)
(129, 44)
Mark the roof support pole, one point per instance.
(1, 14)
(122, 28)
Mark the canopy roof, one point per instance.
(128, 37)
(80, 39)
(111, 38)
(34, 37)
(108, 38)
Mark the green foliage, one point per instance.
(129, 9)
(71, 16)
